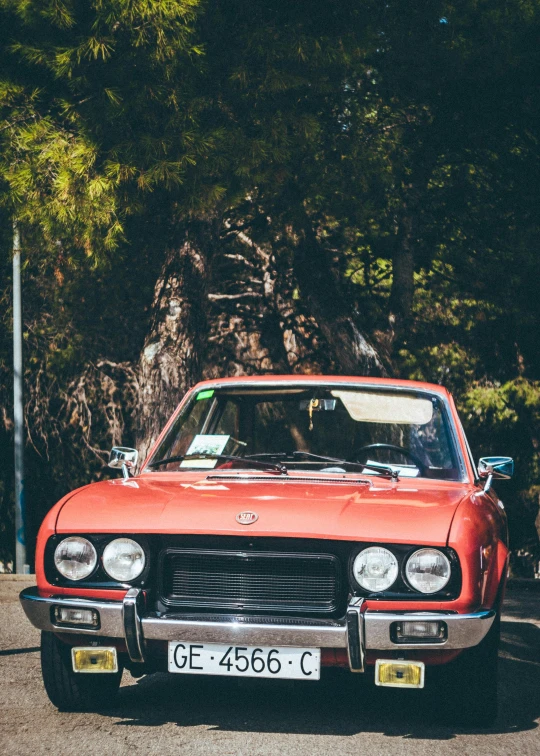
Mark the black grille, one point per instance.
(255, 580)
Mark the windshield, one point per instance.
(314, 428)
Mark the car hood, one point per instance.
(409, 511)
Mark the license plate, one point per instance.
(245, 661)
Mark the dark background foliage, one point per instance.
(228, 187)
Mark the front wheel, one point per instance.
(69, 690)
(470, 683)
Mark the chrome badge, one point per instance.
(247, 518)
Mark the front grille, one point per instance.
(254, 580)
(250, 619)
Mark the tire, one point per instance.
(469, 684)
(69, 690)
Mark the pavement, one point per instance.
(171, 714)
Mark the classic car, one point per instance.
(278, 526)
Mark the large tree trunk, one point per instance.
(233, 309)
(245, 336)
(257, 326)
(414, 190)
(174, 350)
(350, 349)
(402, 291)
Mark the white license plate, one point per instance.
(245, 661)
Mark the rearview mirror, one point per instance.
(123, 458)
(500, 468)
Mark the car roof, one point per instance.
(389, 383)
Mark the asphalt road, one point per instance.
(166, 714)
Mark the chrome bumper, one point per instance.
(361, 631)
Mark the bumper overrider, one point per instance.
(363, 629)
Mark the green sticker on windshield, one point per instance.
(205, 394)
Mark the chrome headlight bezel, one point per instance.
(115, 572)
(375, 554)
(82, 543)
(428, 551)
(402, 589)
(98, 578)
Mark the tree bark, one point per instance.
(258, 324)
(402, 291)
(414, 190)
(245, 337)
(174, 350)
(351, 351)
(230, 307)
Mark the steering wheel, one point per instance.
(400, 449)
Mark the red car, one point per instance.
(282, 524)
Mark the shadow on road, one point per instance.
(16, 651)
(341, 704)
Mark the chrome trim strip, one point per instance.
(132, 624)
(464, 630)
(246, 477)
(355, 635)
(250, 635)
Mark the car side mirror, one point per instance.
(495, 467)
(123, 458)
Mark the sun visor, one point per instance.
(378, 407)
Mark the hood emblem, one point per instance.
(247, 518)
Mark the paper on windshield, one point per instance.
(205, 444)
(379, 407)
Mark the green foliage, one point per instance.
(77, 133)
(372, 125)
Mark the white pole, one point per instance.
(21, 566)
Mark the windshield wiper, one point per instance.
(281, 469)
(382, 469)
(270, 455)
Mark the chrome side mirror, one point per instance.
(123, 458)
(495, 467)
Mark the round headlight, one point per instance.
(123, 559)
(375, 569)
(428, 570)
(75, 558)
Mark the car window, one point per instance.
(409, 432)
